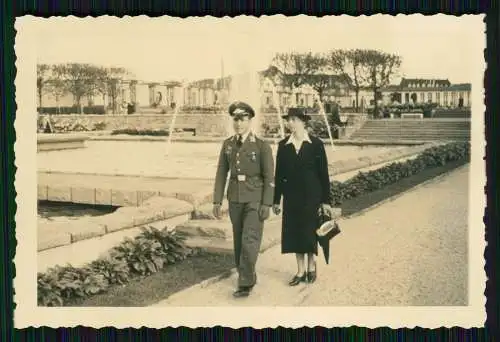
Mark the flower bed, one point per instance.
(135, 131)
(144, 255)
(365, 182)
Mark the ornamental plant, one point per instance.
(145, 254)
(365, 182)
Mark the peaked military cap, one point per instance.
(298, 112)
(239, 108)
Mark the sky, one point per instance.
(167, 48)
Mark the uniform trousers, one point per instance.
(247, 238)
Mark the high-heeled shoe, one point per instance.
(296, 280)
(312, 275)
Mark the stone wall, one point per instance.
(205, 124)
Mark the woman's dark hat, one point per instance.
(298, 112)
(241, 109)
(327, 231)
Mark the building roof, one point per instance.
(461, 87)
(424, 83)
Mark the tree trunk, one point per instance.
(375, 108)
(357, 100)
(40, 100)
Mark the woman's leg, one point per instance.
(311, 263)
(300, 264)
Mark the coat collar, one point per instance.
(293, 140)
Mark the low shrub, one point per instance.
(146, 254)
(135, 131)
(365, 182)
(72, 110)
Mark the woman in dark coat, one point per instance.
(302, 180)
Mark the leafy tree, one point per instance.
(42, 71)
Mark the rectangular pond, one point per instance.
(149, 158)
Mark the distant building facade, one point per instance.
(438, 91)
(217, 91)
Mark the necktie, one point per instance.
(239, 142)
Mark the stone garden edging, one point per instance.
(106, 136)
(53, 234)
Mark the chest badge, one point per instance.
(253, 156)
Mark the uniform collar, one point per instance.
(244, 137)
(293, 139)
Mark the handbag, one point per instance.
(328, 230)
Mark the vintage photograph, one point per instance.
(246, 163)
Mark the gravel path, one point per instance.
(408, 252)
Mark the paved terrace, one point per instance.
(397, 254)
(186, 172)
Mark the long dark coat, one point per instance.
(303, 182)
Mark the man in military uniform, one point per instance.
(249, 162)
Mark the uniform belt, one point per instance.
(235, 177)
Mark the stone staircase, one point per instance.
(414, 129)
(452, 114)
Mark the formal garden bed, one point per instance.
(157, 263)
(146, 132)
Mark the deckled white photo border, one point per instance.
(28, 313)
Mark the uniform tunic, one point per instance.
(303, 182)
(251, 184)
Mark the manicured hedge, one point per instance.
(146, 254)
(135, 131)
(72, 110)
(365, 182)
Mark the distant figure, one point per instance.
(303, 182)
(249, 162)
(130, 108)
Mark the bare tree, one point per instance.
(319, 75)
(114, 77)
(348, 64)
(57, 88)
(75, 77)
(295, 69)
(42, 71)
(380, 68)
(95, 78)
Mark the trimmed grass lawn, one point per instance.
(174, 278)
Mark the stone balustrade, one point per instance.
(205, 124)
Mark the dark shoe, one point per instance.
(311, 277)
(296, 280)
(242, 292)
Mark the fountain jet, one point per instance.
(246, 87)
(176, 111)
(276, 104)
(323, 114)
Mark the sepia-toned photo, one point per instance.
(272, 171)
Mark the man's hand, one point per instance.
(264, 212)
(217, 211)
(276, 209)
